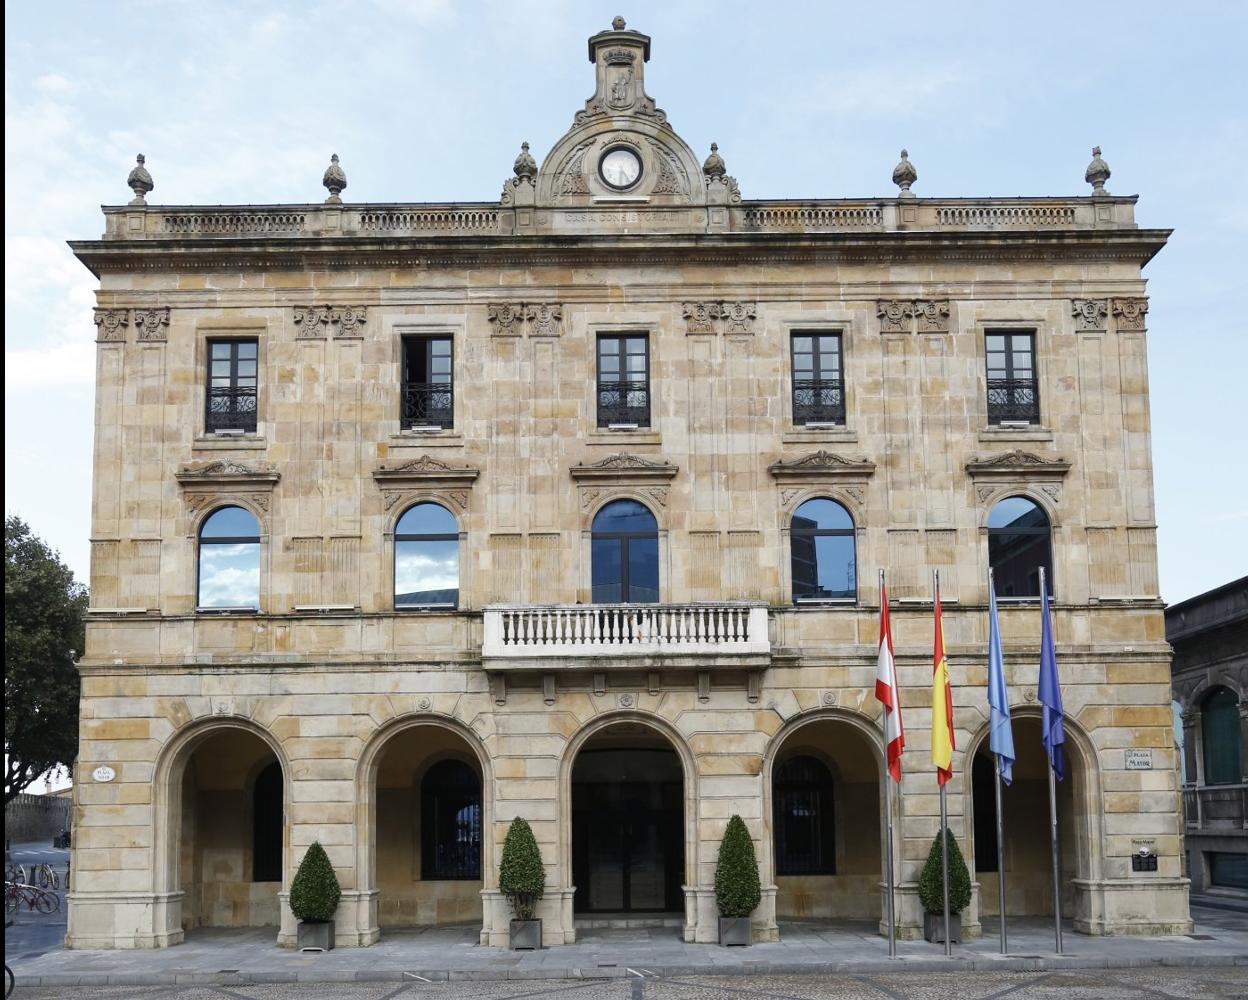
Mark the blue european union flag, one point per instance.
(1050, 690)
(1000, 733)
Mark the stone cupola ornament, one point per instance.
(904, 175)
(140, 181)
(335, 180)
(525, 166)
(1097, 174)
(714, 167)
(617, 23)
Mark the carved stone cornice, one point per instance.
(821, 465)
(425, 472)
(1131, 313)
(314, 322)
(536, 319)
(111, 325)
(1090, 314)
(623, 469)
(1015, 464)
(152, 324)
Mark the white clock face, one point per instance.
(620, 168)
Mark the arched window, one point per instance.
(229, 560)
(266, 818)
(1018, 546)
(625, 554)
(426, 558)
(1219, 737)
(802, 817)
(822, 545)
(450, 822)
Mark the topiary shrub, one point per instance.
(314, 893)
(737, 888)
(931, 893)
(521, 877)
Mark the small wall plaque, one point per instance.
(104, 773)
(1139, 760)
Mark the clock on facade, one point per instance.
(620, 168)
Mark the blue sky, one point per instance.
(429, 100)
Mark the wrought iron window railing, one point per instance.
(623, 403)
(428, 404)
(1013, 399)
(818, 401)
(231, 409)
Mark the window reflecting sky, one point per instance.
(229, 575)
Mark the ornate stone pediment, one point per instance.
(227, 472)
(1018, 463)
(424, 472)
(622, 468)
(821, 465)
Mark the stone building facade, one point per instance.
(1209, 633)
(412, 519)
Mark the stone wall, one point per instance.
(35, 818)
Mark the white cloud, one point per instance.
(54, 83)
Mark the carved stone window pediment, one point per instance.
(622, 469)
(206, 484)
(1017, 464)
(424, 472)
(821, 465)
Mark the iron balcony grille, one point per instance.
(818, 401)
(231, 409)
(623, 403)
(1013, 400)
(428, 404)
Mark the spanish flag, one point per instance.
(942, 704)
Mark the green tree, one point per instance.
(314, 892)
(43, 632)
(521, 877)
(931, 885)
(737, 888)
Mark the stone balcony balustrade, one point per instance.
(1216, 807)
(705, 634)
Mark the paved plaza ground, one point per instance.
(846, 959)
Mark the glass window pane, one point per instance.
(427, 519)
(627, 516)
(636, 345)
(608, 345)
(1016, 557)
(643, 570)
(1017, 512)
(426, 573)
(835, 554)
(247, 348)
(822, 514)
(231, 522)
(607, 570)
(229, 575)
(995, 342)
(803, 344)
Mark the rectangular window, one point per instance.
(624, 380)
(1013, 394)
(428, 383)
(818, 385)
(231, 386)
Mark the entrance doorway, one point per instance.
(628, 839)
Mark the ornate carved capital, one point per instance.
(699, 316)
(894, 315)
(319, 321)
(932, 315)
(738, 316)
(537, 319)
(713, 317)
(1131, 313)
(544, 319)
(111, 325)
(152, 324)
(311, 321)
(1090, 314)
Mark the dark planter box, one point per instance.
(934, 927)
(526, 935)
(734, 931)
(315, 935)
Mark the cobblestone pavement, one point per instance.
(1210, 983)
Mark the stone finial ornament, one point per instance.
(335, 180)
(904, 175)
(525, 166)
(617, 23)
(714, 167)
(1097, 174)
(140, 181)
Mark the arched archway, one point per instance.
(220, 840)
(424, 821)
(1025, 806)
(628, 836)
(834, 867)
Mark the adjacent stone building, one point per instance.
(410, 519)
(1209, 633)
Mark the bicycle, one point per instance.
(14, 873)
(45, 876)
(36, 899)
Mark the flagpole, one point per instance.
(1057, 879)
(944, 813)
(1000, 824)
(888, 825)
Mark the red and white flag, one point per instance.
(887, 693)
